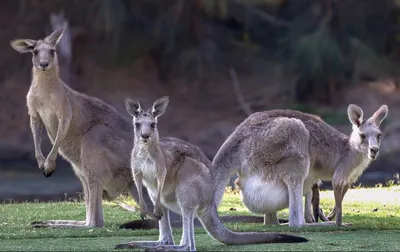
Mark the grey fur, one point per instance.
(282, 153)
(90, 134)
(177, 177)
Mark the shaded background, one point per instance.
(218, 60)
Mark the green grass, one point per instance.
(374, 213)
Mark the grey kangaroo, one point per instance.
(93, 136)
(178, 180)
(280, 154)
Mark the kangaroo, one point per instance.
(87, 132)
(178, 182)
(280, 154)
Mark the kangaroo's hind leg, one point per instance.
(69, 223)
(187, 241)
(165, 235)
(92, 184)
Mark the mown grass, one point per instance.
(374, 213)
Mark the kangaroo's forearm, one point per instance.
(138, 179)
(36, 128)
(63, 126)
(160, 184)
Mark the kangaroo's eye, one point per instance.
(52, 52)
(35, 52)
(379, 136)
(137, 125)
(153, 125)
(362, 136)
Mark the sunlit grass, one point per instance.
(374, 213)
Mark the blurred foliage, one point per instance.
(326, 43)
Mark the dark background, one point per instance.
(218, 60)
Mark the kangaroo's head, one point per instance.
(43, 50)
(145, 122)
(366, 135)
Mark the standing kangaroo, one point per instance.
(280, 154)
(90, 134)
(179, 181)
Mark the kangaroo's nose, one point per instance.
(374, 149)
(44, 63)
(145, 136)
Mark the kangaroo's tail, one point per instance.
(213, 225)
(225, 163)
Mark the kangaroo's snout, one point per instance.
(373, 152)
(44, 64)
(145, 137)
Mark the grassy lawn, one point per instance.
(374, 213)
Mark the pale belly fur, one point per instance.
(168, 198)
(262, 196)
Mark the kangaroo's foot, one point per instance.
(327, 223)
(62, 224)
(169, 248)
(140, 244)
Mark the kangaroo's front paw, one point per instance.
(157, 213)
(40, 160)
(49, 167)
(143, 211)
(322, 215)
(332, 215)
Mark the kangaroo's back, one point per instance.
(325, 140)
(181, 149)
(93, 111)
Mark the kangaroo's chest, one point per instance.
(46, 109)
(148, 168)
(358, 170)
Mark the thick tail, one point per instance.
(213, 225)
(224, 164)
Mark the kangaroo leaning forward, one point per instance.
(177, 178)
(90, 134)
(280, 154)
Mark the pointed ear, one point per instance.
(55, 37)
(380, 114)
(159, 106)
(355, 114)
(23, 45)
(133, 107)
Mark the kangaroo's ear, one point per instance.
(133, 107)
(380, 114)
(159, 106)
(23, 45)
(355, 114)
(55, 37)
